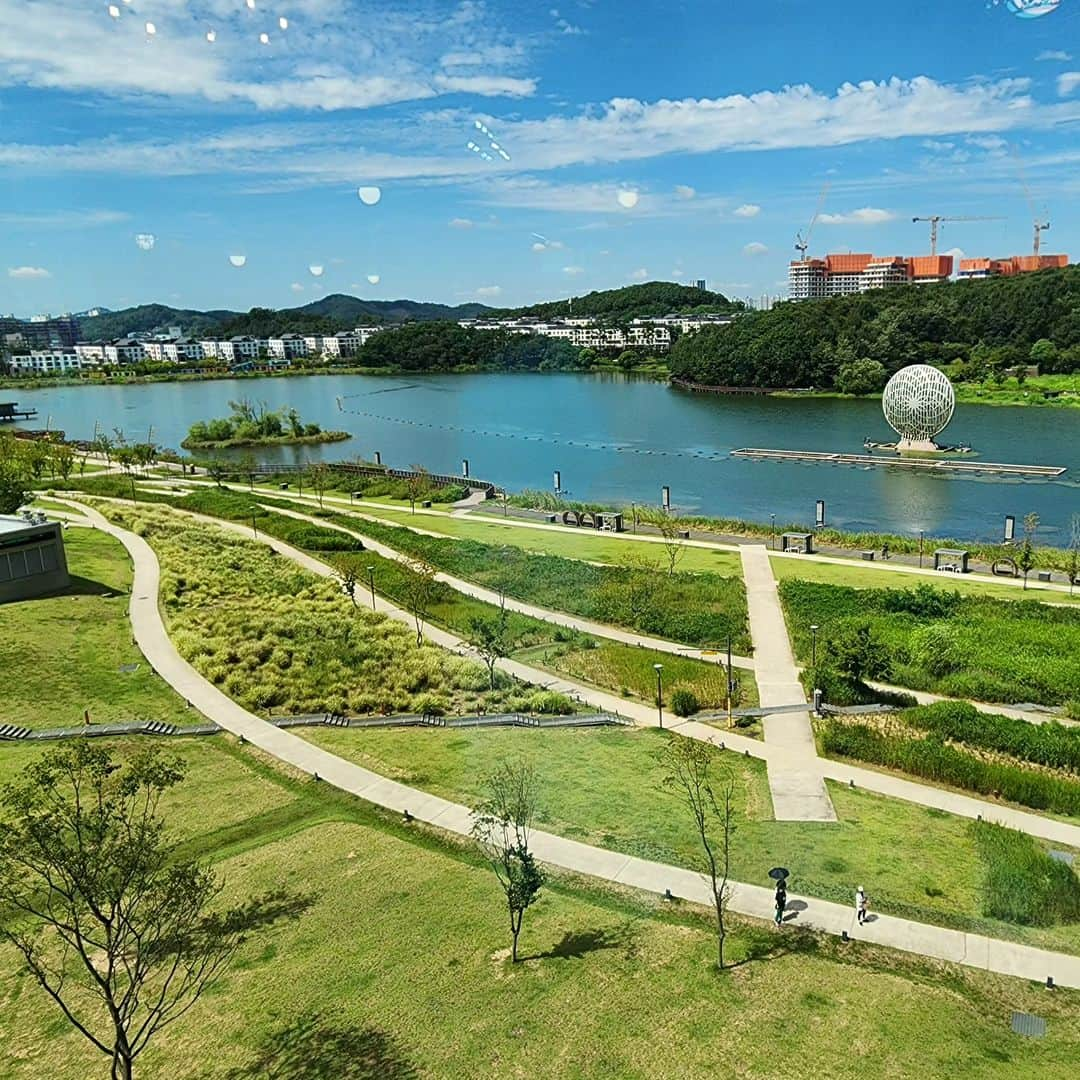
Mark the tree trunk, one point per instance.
(515, 930)
(121, 1063)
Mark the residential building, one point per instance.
(287, 347)
(850, 273)
(154, 351)
(124, 351)
(700, 284)
(91, 353)
(975, 269)
(240, 347)
(46, 362)
(183, 350)
(42, 331)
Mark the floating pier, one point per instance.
(10, 412)
(926, 464)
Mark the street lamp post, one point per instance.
(772, 531)
(922, 533)
(371, 583)
(658, 668)
(813, 645)
(730, 686)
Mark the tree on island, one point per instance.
(113, 922)
(712, 806)
(501, 825)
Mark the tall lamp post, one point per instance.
(658, 668)
(772, 531)
(813, 645)
(730, 685)
(922, 533)
(371, 583)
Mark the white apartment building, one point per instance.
(154, 350)
(124, 351)
(287, 347)
(237, 348)
(583, 333)
(46, 362)
(183, 351)
(91, 353)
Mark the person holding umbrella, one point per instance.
(779, 874)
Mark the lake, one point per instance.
(620, 439)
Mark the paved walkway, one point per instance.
(796, 783)
(490, 596)
(972, 950)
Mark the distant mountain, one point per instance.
(331, 313)
(632, 302)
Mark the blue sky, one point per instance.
(723, 120)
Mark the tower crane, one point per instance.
(803, 243)
(936, 219)
(1039, 227)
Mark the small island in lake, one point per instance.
(248, 426)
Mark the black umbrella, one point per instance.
(778, 873)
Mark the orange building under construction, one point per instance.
(841, 275)
(974, 269)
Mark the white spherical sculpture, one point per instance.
(918, 403)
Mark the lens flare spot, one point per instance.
(151, 29)
(145, 241)
(283, 23)
(211, 36)
(264, 39)
(315, 271)
(114, 11)
(238, 260)
(628, 199)
(373, 279)
(369, 196)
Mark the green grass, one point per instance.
(861, 576)
(62, 654)
(606, 788)
(628, 671)
(946, 642)
(395, 967)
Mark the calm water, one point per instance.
(621, 439)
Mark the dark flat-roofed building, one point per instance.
(32, 560)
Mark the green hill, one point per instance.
(114, 324)
(634, 301)
(980, 328)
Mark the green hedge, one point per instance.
(1023, 884)
(932, 759)
(1049, 744)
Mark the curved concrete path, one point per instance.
(972, 950)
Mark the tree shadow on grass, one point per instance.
(576, 944)
(774, 944)
(314, 1048)
(269, 908)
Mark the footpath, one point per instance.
(972, 950)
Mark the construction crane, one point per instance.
(936, 219)
(1039, 227)
(803, 243)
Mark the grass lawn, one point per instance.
(860, 576)
(394, 967)
(628, 671)
(606, 788)
(63, 653)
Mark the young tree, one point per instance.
(319, 478)
(64, 459)
(857, 653)
(711, 805)
(103, 445)
(1074, 550)
(492, 638)
(111, 920)
(417, 485)
(346, 570)
(247, 465)
(673, 544)
(1025, 560)
(218, 469)
(13, 488)
(420, 588)
(501, 825)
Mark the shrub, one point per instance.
(937, 649)
(933, 760)
(684, 702)
(1023, 884)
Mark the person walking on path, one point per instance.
(860, 904)
(781, 901)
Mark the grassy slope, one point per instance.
(395, 969)
(606, 788)
(61, 654)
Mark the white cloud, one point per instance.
(539, 246)
(987, 142)
(747, 210)
(755, 247)
(489, 290)
(684, 191)
(336, 57)
(938, 145)
(28, 272)
(461, 223)
(573, 271)
(563, 26)
(866, 215)
(640, 274)
(1067, 82)
(64, 219)
(1054, 54)
(296, 287)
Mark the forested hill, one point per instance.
(980, 327)
(325, 316)
(635, 301)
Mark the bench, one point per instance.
(1044, 575)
